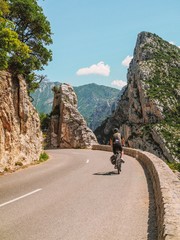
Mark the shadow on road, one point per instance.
(152, 218)
(106, 173)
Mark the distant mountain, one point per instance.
(43, 96)
(95, 102)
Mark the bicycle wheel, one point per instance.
(118, 162)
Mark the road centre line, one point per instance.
(23, 196)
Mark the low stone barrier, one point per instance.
(166, 191)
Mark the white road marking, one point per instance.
(16, 199)
(87, 161)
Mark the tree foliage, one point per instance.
(44, 118)
(25, 34)
(10, 46)
(11, 49)
(4, 9)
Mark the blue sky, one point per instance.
(93, 40)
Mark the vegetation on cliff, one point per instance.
(164, 88)
(148, 113)
(25, 33)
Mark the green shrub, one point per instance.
(174, 166)
(19, 164)
(43, 157)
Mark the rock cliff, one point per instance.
(95, 102)
(68, 128)
(20, 134)
(148, 113)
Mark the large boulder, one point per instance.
(67, 128)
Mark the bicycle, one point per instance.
(118, 162)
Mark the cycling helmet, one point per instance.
(115, 130)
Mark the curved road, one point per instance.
(77, 195)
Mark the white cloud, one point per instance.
(127, 61)
(178, 46)
(99, 68)
(119, 83)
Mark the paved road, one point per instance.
(76, 195)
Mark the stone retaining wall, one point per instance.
(166, 189)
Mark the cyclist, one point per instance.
(116, 141)
(116, 145)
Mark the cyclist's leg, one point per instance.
(120, 150)
(114, 148)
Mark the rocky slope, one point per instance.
(20, 134)
(95, 102)
(68, 128)
(148, 113)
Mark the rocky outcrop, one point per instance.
(149, 110)
(20, 134)
(68, 128)
(95, 102)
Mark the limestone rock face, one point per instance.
(68, 128)
(95, 102)
(148, 112)
(20, 134)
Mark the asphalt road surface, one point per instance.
(77, 195)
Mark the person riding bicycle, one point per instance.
(116, 145)
(116, 141)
